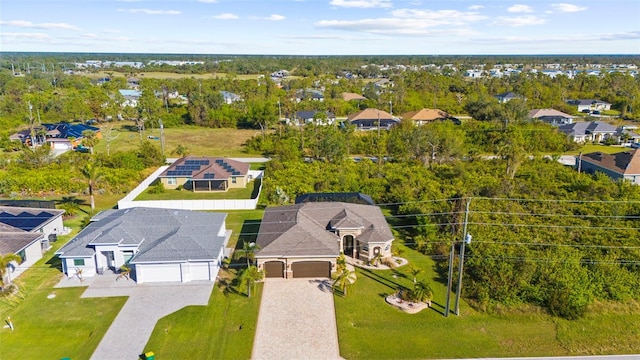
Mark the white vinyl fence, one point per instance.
(235, 204)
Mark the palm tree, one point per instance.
(92, 174)
(421, 292)
(343, 278)
(248, 277)
(5, 260)
(89, 139)
(414, 272)
(247, 251)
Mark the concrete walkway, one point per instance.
(296, 321)
(147, 303)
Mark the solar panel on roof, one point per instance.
(209, 176)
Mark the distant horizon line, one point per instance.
(315, 55)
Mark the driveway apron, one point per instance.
(147, 303)
(296, 321)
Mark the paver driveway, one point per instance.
(297, 321)
(147, 303)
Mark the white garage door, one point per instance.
(200, 271)
(157, 272)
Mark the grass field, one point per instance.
(589, 148)
(368, 328)
(198, 141)
(167, 75)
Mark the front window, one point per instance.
(78, 262)
(233, 180)
(23, 256)
(172, 181)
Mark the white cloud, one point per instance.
(274, 17)
(225, 16)
(151, 12)
(48, 26)
(519, 8)
(29, 36)
(411, 22)
(633, 35)
(363, 4)
(475, 7)
(519, 21)
(564, 7)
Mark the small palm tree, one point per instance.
(247, 251)
(92, 174)
(343, 278)
(421, 292)
(5, 261)
(248, 277)
(414, 272)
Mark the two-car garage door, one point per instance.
(314, 269)
(301, 269)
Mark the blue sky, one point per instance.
(322, 27)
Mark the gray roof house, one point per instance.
(305, 117)
(304, 240)
(27, 232)
(584, 105)
(508, 96)
(159, 245)
(596, 131)
(551, 116)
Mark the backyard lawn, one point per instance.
(368, 328)
(250, 192)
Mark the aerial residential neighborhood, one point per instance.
(321, 180)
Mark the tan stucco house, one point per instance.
(205, 174)
(304, 240)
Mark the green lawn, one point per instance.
(368, 328)
(222, 330)
(64, 326)
(250, 192)
(589, 148)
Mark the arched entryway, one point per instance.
(349, 247)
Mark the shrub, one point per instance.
(158, 188)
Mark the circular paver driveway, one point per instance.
(297, 321)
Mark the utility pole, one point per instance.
(161, 135)
(450, 278)
(465, 240)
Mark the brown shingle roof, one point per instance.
(370, 114)
(425, 115)
(624, 163)
(346, 96)
(13, 242)
(305, 229)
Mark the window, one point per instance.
(233, 180)
(127, 255)
(23, 256)
(78, 262)
(172, 181)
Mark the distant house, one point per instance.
(309, 94)
(371, 118)
(131, 97)
(474, 73)
(280, 74)
(159, 245)
(620, 166)
(347, 96)
(425, 116)
(205, 174)
(304, 240)
(588, 105)
(305, 117)
(595, 131)
(62, 136)
(508, 96)
(28, 232)
(551, 116)
(229, 97)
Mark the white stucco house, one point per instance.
(158, 245)
(27, 232)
